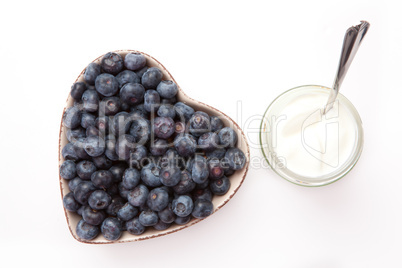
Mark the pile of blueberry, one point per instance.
(137, 158)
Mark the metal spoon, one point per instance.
(351, 43)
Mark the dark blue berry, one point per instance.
(199, 123)
(127, 212)
(215, 169)
(167, 89)
(140, 129)
(79, 148)
(93, 131)
(131, 178)
(106, 84)
(152, 101)
(182, 220)
(85, 169)
(148, 218)
(170, 175)
(102, 162)
(139, 111)
(123, 191)
(199, 171)
(102, 124)
(68, 170)
(182, 206)
(208, 141)
(99, 199)
(167, 215)
(72, 117)
(72, 184)
(227, 137)
(77, 89)
(179, 128)
(117, 171)
(110, 150)
(120, 124)
(151, 78)
(94, 146)
(150, 175)
(183, 111)
(102, 179)
(86, 231)
(202, 208)
(186, 183)
(235, 158)
(127, 76)
(217, 153)
(138, 153)
(111, 229)
(134, 61)
(185, 145)
(83, 191)
(138, 196)
(158, 147)
(74, 134)
(132, 93)
(90, 100)
(68, 152)
(112, 63)
(134, 226)
(115, 205)
(124, 146)
(141, 72)
(109, 106)
(219, 186)
(167, 110)
(171, 101)
(202, 194)
(87, 120)
(157, 199)
(216, 123)
(91, 72)
(164, 127)
(160, 225)
(93, 217)
(70, 203)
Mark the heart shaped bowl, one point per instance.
(218, 201)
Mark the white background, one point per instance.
(220, 53)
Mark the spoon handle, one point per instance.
(351, 43)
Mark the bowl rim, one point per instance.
(184, 97)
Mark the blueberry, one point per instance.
(118, 171)
(202, 194)
(132, 93)
(86, 231)
(90, 100)
(158, 147)
(139, 110)
(113, 190)
(166, 110)
(215, 169)
(85, 169)
(120, 124)
(182, 220)
(208, 141)
(102, 179)
(152, 101)
(70, 203)
(111, 229)
(109, 106)
(79, 148)
(203, 185)
(199, 171)
(106, 84)
(87, 120)
(141, 72)
(202, 208)
(115, 205)
(91, 72)
(72, 117)
(102, 124)
(79, 211)
(93, 131)
(227, 137)
(171, 158)
(72, 184)
(148, 218)
(77, 89)
(182, 206)
(164, 127)
(220, 186)
(216, 123)
(229, 172)
(183, 111)
(167, 89)
(68, 170)
(160, 225)
(157, 199)
(138, 153)
(94, 146)
(170, 175)
(123, 191)
(112, 63)
(131, 178)
(179, 128)
(68, 152)
(138, 196)
(127, 76)
(151, 78)
(217, 153)
(185, 145)
(127, 212)
(171, 101)
(99, 200)
(199, 123)
(186, 183)
(134, 226)
(102, 162)
(93, 217)
(140, 129)
(235, 158)
(74, 134)
(124, 146)
(134, 61)
(83, 191)
(150, 175)
(167, 215)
